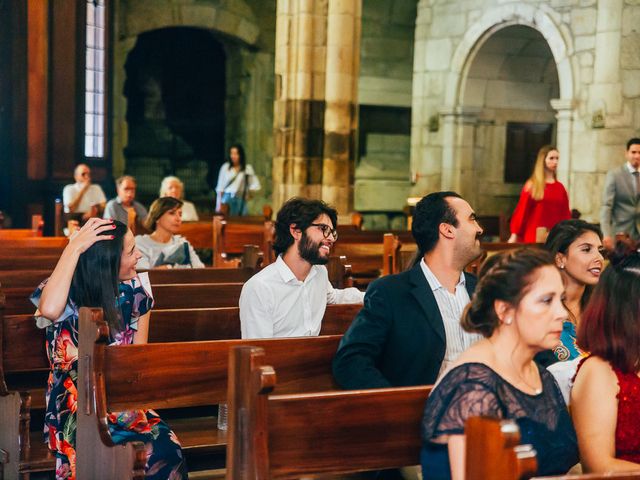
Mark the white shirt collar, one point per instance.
(630, 168)
(433, 281)
(286, 273)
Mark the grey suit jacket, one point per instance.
(620, 211)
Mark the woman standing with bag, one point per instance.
(235, 181)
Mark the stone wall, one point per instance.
(246, 29)
(384, 95)
(594, 45)
(387, 52)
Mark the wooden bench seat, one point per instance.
(275, 434)
(229, 239)
(24, 368)
(286, 435)
(171, 375)
(32, 278)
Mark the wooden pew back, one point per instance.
(130, 377)
(32, 278)
(229, 239)
(493, 450)
(293, 435)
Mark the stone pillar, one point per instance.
(301, 29)
(449, 179)
(458, 132)
(341, 111)
(564, 107)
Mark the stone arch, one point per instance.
(455, 118)
(540, 19)
(235, 18)
(239, 26)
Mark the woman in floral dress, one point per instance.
(97, 269)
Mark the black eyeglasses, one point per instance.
(326, 230)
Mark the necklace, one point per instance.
(536, 391)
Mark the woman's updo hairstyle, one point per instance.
(505, 276)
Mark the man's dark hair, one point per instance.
(300, 212)
(633, 141)
(430, 212)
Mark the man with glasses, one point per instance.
(83, 199)
(288, 298)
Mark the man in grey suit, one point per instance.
(620, 212)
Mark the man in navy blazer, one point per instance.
(409, 328)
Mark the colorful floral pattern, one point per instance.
(164, 455)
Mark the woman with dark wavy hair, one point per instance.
(605, 399)
(517, 307)
(576, 247)
(97, 269)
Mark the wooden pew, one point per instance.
(24, 368)
(32, 278)
(229, 239)
(199, 234)
(194, 295)
(289, 435)
(14, 233)
(493, 451)
(223, 323)
(172, 375)
(292, 435)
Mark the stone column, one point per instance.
(301, 30)
(564, 116)
(341, 111)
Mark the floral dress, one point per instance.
(164, 455)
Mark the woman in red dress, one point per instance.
(605, 398)
(543, 201)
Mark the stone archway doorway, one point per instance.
(504, 115)
(175, 90)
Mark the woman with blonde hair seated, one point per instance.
(164, 248)
(173, 187)
(605, 398)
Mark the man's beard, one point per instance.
(310, 251)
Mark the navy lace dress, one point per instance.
(474, 389)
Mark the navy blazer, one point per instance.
(398, 337)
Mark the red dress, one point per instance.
(628, 423)
(531, 214)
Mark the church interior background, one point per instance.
(362, 103)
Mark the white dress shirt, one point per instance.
(93, 196)
(274, 303)
(451, 306)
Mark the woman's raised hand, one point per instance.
(90, 233)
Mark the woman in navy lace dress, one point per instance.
(518, 308)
